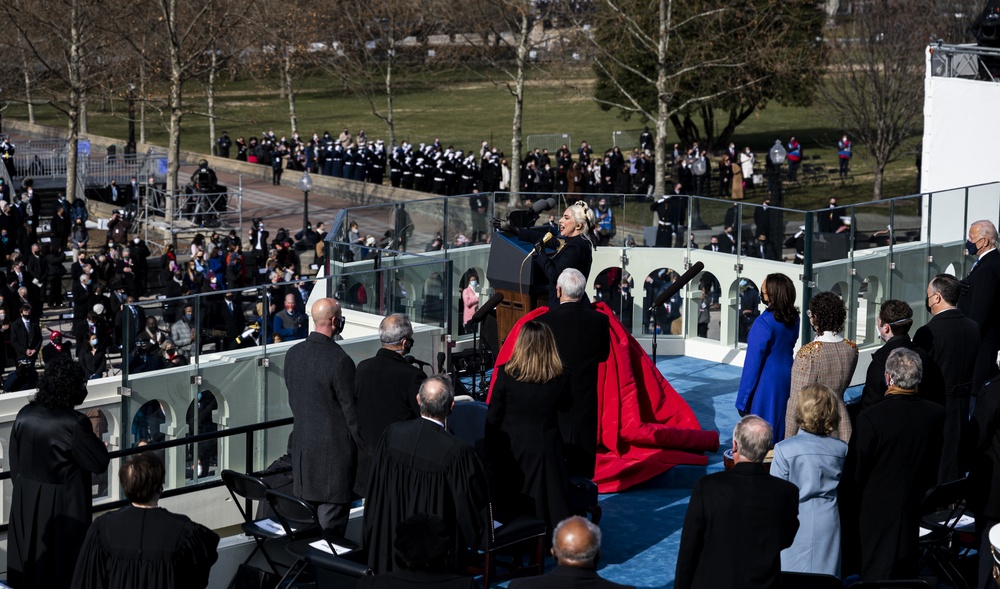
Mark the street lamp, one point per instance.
(776, 236)
(777, 156)
(130, 146)
(305, 185)
(699, 167)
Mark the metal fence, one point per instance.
(551, 142)
(627, 139)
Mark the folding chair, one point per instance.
(944, 520)
(244, 487)
(505, 545)
(301, 524)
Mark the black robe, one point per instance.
(149, 548)
(524, 448)
(385, 389)
(52, 455)
(419, 467)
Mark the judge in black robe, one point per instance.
(142, 545)
(419, 467)
(53, 452)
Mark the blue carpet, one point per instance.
(641, 527)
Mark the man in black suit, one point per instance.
(892, 460)
(26, 335)
(319, 376)
(385, 388)
(583, 337)
(229, 317)
(893, 324)
(763, 249)
(951, 341)
(419, 467)
(830, 220)
(576, 546)
(980, 292)
(738, 521)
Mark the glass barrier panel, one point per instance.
(716, 216)
(871, 262)
(421, 225)
(640, 223)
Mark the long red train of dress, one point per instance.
(644, 427)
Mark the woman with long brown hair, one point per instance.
(523, 444)
(767, 370)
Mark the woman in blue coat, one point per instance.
(767, 370)
(814, 461)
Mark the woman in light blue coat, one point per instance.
(814, 461)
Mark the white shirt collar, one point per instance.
(431, 419)
(986, 252)
(829, 337)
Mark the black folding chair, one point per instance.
(942, 510)
(244, 487)
(301, 525)
(504, 548)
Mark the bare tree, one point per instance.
(503, 35)
(656, 59)
(375, 38)
(63, 39)
(876, 84)
(190, 32)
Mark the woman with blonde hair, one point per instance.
(575, 249)
(814, 460)
(523, 445)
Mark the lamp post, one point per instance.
(130, 145)
(698, 168)
(776, 235)
(305, 185)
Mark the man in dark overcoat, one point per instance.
(319, 376)
(583, 337)
(980, 291)
(385, 388)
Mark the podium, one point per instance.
(524, 286)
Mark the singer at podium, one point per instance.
(575, 249)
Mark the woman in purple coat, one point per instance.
(767, 370)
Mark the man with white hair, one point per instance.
(980, 291)
(892, 460)
(738, 521)
(576, 546)
(583, 337)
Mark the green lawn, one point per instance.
(463, 110)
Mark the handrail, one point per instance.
(235, 431)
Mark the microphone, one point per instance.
(487, 308)
(541, 242)
(544, 205)
(676, 286)
(412, 360)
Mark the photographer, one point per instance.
(290, 324)
(118, 228)
(203, 179)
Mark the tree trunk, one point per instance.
(84, 125)
(142, 101)
(516, 136)
(174, 141)
(27, 89)
(286, 75)
(879, 175)
(76, 99)
(663, 99)
(210, 95)
(389, 121)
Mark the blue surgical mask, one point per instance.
(93, 341)
(188, 316)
